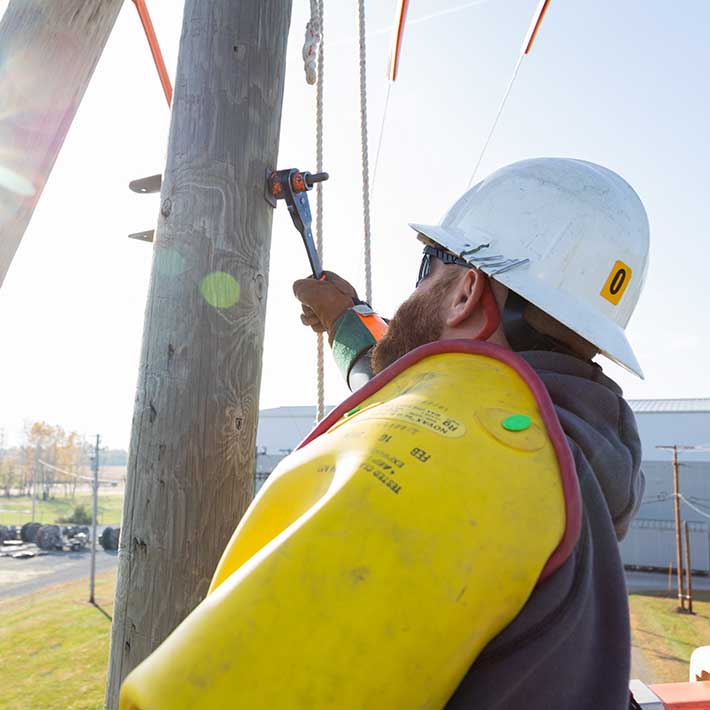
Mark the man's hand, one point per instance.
(324, 301)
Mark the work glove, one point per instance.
(324, 301)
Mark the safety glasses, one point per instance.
(440, 254)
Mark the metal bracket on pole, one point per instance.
(146, 185)
(146, 236)
(268, 196)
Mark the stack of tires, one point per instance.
(49, 537)
(7, 532)
(109, 538)
(74, 530)
(28, 532)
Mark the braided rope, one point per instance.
(312, 42)
(365, 159)
(320, 365)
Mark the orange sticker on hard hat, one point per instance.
(616, 284)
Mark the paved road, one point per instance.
(19, 577)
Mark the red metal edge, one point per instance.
(568, 473)
(683, 696)
(397, 40)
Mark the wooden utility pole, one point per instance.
(48, 53)
(35, 477)
(95, 499)
(676, 508)
(678, 545)
(688, 569)
(191, 462)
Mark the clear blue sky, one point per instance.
(621, 84)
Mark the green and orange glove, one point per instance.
(332, 305)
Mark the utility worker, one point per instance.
(447, 537)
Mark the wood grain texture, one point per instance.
(191, 462)
(48, 53)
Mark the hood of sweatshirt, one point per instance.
(596, 418)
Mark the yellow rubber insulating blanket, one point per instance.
(379, 559)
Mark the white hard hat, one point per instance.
(569, 236)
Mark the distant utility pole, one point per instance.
(95, 466)
(676, 501)
(678, 544)
(191, 462)
(688, 568)
(35, 476)
(49, 51)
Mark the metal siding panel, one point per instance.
(651, 543)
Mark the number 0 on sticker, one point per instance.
(616, 284)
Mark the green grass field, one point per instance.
(57, 644)
(56, 647)
(15, 510)
(667, 638)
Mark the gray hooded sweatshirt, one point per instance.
(570, 646)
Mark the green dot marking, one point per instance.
(354, 410)
(517, 422)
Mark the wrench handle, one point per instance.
(312, 252)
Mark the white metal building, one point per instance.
(280, 431)
(651, 538)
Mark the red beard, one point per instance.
(417, 321)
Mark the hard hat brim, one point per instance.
(572, 312)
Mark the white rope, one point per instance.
(365, 160)
(312, 42)
(320, 357)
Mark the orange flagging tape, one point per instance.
(154, 48)
(535, 25)
(401, 18)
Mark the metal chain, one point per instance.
(365, 159)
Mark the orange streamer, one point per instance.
(401, 18)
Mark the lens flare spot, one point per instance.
(10, 180)
(169, 262)
(220, 290)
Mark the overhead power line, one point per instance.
(695, 508)
(73, 475)
(525, 50)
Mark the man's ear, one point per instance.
(465, 296)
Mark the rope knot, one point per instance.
(310, 49)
